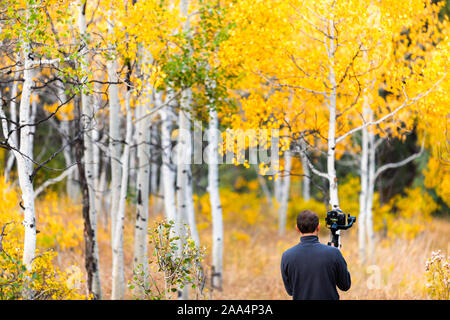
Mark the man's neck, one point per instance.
(309, 238)
(309, 234)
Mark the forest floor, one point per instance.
(252, 270)
(252, 258)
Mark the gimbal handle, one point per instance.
(334, 239)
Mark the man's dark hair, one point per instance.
(307, 221)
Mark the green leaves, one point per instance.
(177, 260)
(189, 63)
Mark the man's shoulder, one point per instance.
(291, 250)
(287, 254)
(328, 248)
(317, 247)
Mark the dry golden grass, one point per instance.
(252, 261)
(252, 270)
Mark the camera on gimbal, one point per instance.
(337, 220)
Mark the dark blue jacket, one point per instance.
(311, 271)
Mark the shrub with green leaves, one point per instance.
(176, 262)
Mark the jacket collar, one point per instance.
(309, 239)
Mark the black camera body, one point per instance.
(337, 220)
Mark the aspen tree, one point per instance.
(143, 132)
(114, 123)
(118, 277)
(214, 195)
(88, 123)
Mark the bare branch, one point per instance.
(311, 166)
(281, 85)
(405, 104)
(54, 180)
(393, 165)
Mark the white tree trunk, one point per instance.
(24, 163)
(102, 189)
(331, 154)
(306, 179)
(284, 200)
(154, 173)
(277, 190)
(118, 277)
(167, 172)
(332, 108)
(114, 131)
(142, 190)
(88, 122)
(191, 210)
(185, 202)
(370, 193)
(96, 156)
(24, 156)
(183, 156)
(132, 173)
(214, 196)
(32, 120)
(12, 128)
(364, 177)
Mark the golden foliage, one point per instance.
(57, 230)
(240, 209)
(44, 279)
(437, 176)
(405, 216)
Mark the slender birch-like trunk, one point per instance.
(214, 196)
(332, 109)
(185, 204)
(284, 197)
(96, 155)
(306, 179)
(12, 128)
(91, 263)
(32, 120)
(23, 159)
(118, 277)
(331, 154)
(190, 210)
(167, 172)
(154, 173)
(370, 193)
(153, 164)
(87, 123)
(132, 173)
(277, 190)
(142, 191)
(364, 177)
(183, 169)
(114, 130)
(102, 190)
(24, 156)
